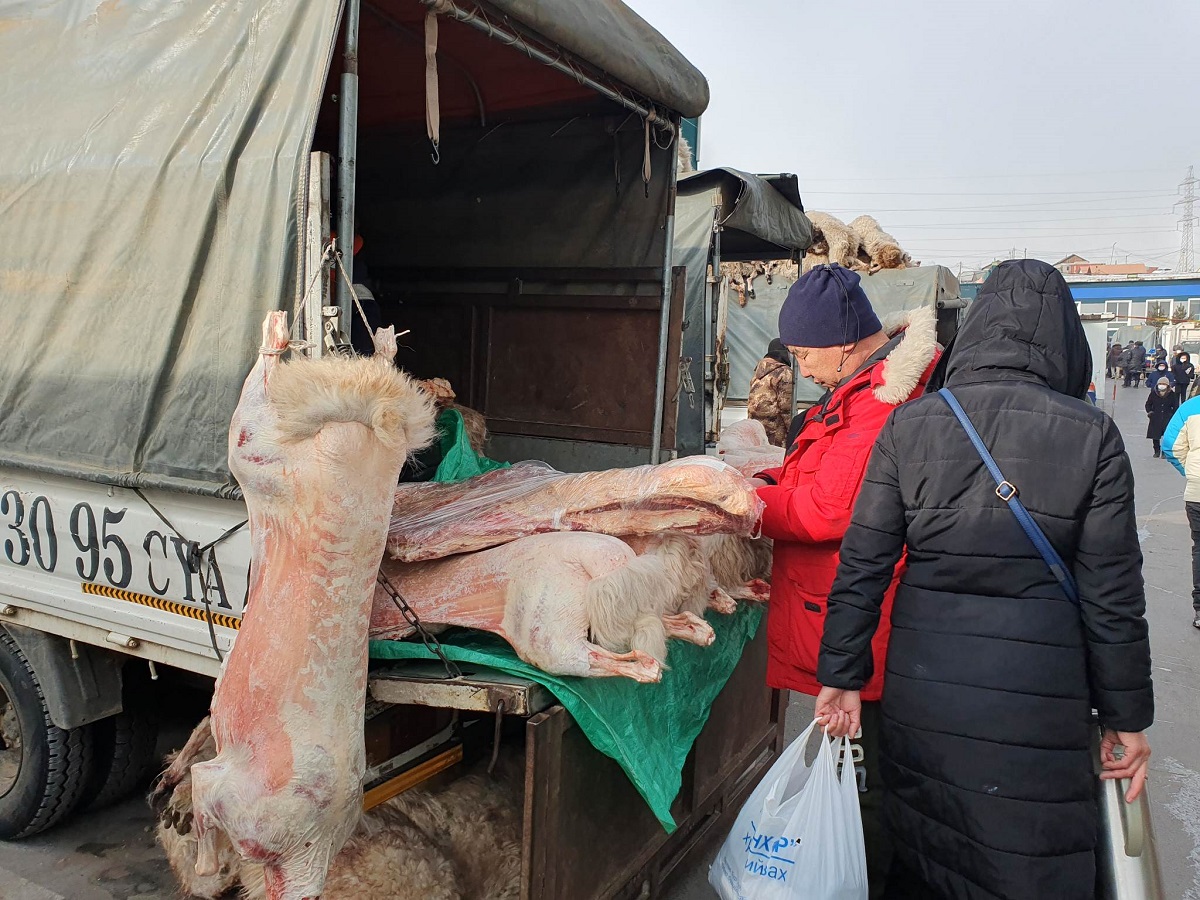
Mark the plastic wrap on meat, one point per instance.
(695, 495)
(744, 445)
(316, 446)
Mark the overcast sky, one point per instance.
(967, 127)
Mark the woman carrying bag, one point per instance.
(1005, 632)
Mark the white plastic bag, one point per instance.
(799, 836)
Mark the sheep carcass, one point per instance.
(570, 604)
(696, 495)
(455, 841)
(882, 250)
(317, 446)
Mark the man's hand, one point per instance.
(839, 711)
(1133, 764)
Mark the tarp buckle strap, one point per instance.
(197, 556)
(432, 644)
(433, 110)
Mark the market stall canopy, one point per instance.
(761, 216)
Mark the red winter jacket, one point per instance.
(809, 504)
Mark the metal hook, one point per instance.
(436, 155)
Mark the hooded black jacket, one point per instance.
(992, 671)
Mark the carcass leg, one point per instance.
(636, 665)
(758, 591)
(686, 626)
(720, 601)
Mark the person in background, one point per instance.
(1184, 373)
(1137, 364)
(837, 341)
(1125, 362)
(1181, 447)
(1160, 353)
(1161, 372)
(770, 398)
(992, 670)
(1114, 360)
(1160, 407)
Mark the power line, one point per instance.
(971, 193)
(909, 179)
(1036, 206)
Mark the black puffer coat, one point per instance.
(992, 671)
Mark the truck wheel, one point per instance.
(123, 757)
(42, 767)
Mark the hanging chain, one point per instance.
(432, 644)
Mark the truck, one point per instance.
(510, 169)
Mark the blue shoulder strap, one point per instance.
(1007, 492)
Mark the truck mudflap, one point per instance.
(81, 684)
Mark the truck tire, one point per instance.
(43, 768)
(123, 758)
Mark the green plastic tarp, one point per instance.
(648, 729)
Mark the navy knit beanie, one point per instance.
(826, 307)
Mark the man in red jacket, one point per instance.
(867, 370)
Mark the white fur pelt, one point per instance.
(881, 249)
(308, 394)
(455, 840)
(904, 366)
(709, 572)
(683, 157)
(626, 608)
(833, 241)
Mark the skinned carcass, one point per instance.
(570, 604)
(459, 840)
(317, 446)
(696, 495)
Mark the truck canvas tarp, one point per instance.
(154, 190)
(721, 215)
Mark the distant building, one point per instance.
(1137, 299)
(1077, 265)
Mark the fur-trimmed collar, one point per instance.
(904, 367)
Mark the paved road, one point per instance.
(111, 856)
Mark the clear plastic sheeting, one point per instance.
(744, 446)
(696, 495)
(154, 154)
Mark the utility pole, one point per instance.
(1188, 187)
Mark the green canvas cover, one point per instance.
(648, 729)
